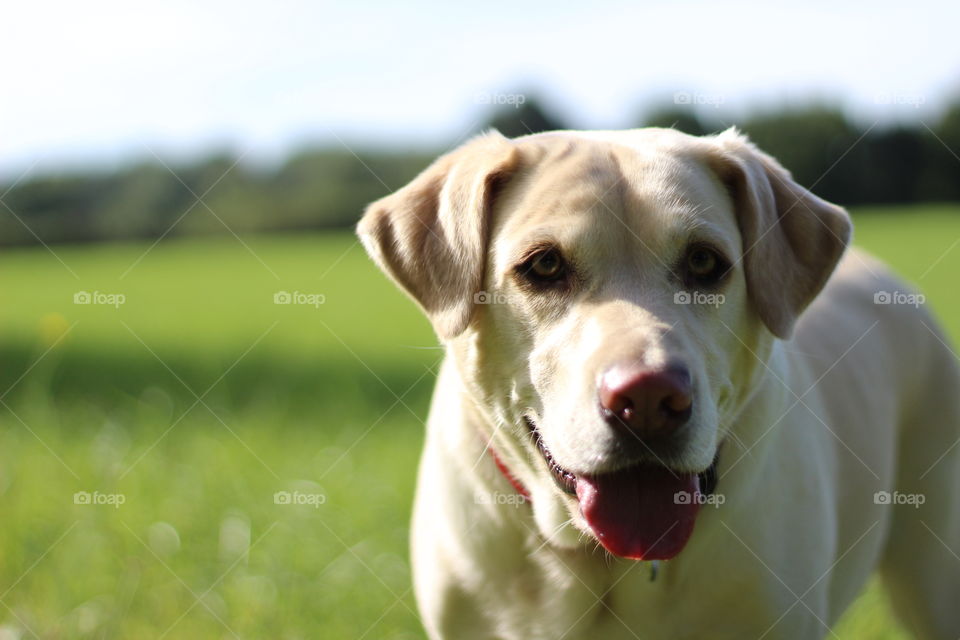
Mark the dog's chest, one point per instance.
(573, 595)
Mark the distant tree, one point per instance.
(144, 200)
(523, 117)
(318, 188)
(941, 175)
(891, 164)
(679, 117)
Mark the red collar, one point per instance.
(522, 490)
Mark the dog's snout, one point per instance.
(644, 400)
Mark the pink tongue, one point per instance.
(644, 513)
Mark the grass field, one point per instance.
(198, 399)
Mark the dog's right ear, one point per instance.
(431, 236)
(792, 239)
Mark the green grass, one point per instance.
(324, 401)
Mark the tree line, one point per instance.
(327, 187)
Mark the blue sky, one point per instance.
(102, 82)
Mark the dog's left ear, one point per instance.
(431, 236)
(792, 240)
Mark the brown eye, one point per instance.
(544, 267)
(547, 265)
(704, 265)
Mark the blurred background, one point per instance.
(211, 404)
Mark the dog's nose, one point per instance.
(646, 400)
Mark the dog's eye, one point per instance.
(704, 265)
(544, 266)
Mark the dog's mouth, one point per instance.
(644, 512)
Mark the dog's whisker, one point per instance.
(555, 530)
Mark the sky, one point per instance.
(105, 82)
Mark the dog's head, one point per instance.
(610, 299)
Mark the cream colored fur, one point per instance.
(816, 397)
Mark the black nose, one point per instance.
(646, 401)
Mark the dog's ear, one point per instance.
(431, 236)
(792, 240)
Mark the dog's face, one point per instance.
(609, 299)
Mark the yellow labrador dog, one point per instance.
(671, 407)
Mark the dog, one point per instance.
(673, 404)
